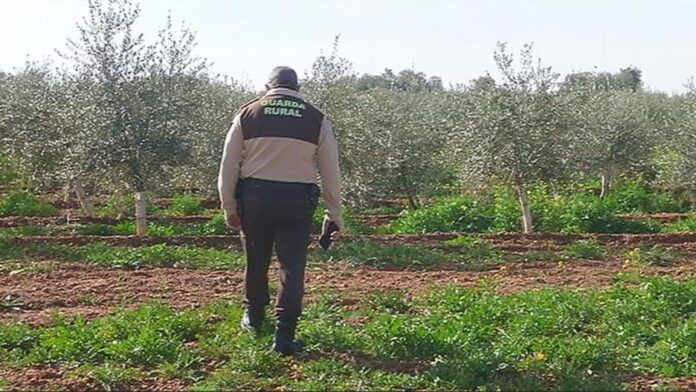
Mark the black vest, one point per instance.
(278, 115)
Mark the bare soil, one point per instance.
(516, 242)
(45, 378)
(90, 291)
(642, 383)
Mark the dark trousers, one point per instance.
(276, 214)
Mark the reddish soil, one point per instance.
(642, 383)
(43, 378)
(516, 242)
(90, 291)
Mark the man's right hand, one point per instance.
(330, 232)
(233, 221)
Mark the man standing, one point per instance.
(281, 142)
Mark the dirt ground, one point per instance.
(90, 291)
(514, 242)
(37, 378)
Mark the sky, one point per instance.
(451, 39)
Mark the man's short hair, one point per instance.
(283, 77)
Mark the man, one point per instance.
(282, 142)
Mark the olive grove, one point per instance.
(146, 115)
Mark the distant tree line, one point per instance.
(149, 116)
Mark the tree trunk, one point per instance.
(140, 215)
(82, 197)
(526, 211)
(66, 192)
(606, 184)
(412, 202)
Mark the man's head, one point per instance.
(284, 77)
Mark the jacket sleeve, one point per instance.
(229, 166)
(327, 158)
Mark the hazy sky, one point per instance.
(451, 39)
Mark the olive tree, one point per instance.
(210, 119)
(613, 132)
(142, 95)
(677, 157)
(391, 137)
(515, 132)
(400, 137)
(28, 131)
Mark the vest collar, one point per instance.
(285, 91)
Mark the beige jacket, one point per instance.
(281, 159)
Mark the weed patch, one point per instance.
(584, 250)
(159, 255)
(184, 205)
(457, 338)
(653, 256)
(20, 203)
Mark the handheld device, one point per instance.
(325, 239)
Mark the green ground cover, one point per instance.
(159, 255)
(463, 253)
(452, 338)
(498, 211)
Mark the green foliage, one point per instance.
(517, 341)
(20, 203)
(389, 301)
(539, 255)
(25, 231)
(9, 174)
(455, 214)
(653, 256)
(472, 248)
(686, 225)
(215, 226)
(160, 255)
(452, 338)
(101, 229)
(575, 213)
(585, 250)
(589, 214)
(122, 205)
(148, 336)
(386, 209)
(184, 205)
(108, 376)
(632, 197)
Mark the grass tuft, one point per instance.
(585, 250)
(655, 256)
